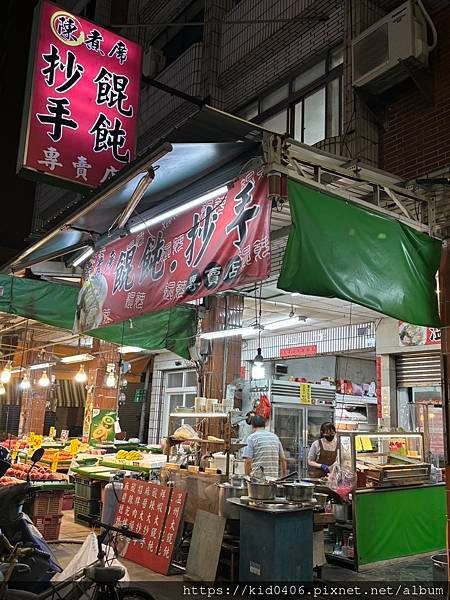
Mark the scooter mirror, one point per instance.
(4, 466)
(37, 455)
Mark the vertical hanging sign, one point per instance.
(80, 115)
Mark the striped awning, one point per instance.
(66, 393)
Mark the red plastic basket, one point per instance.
(67, 502)
(47, 503)
(49, 526)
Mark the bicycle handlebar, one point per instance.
(123, 529)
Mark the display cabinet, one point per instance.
(384, 459)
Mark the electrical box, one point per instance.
(378, 52)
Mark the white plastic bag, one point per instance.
(86, 555)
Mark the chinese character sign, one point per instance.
(155, 512)
(416, 335)
(80, 123)
(218, 245)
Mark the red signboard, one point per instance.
(220, 244)
(155, 512)
(80, 121)
(297, 351)
(417, 335)
(379, 382)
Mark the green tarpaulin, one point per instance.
(339, 250)
(55, 304)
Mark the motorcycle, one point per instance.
(18, 528)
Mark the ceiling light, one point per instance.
(75, 358)
(2, 389)
(284, 323)
(129, 349)
(81, 376)
(111, 380)
(258, 369)
(5, 376)
(179, 209)
(25, 383)
(83, 257)
(213, 335)
(44, 381)
(41, 366)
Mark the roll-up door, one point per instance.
(416, 369)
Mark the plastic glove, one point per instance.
(325, 469)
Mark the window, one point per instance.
(180, 390)
(308, 107)
(173, 41)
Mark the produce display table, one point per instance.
(152, 461)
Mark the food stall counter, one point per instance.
(395, 508)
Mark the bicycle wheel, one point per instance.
(133, 593)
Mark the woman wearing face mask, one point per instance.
(323, 452)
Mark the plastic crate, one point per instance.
(46, 503)
(67, 502)
(86, 507)
(49, 526)
(87, 489)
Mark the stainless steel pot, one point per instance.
(298, 491)
(321, 499)
(237, 481)
(261, 491)
(227, 490)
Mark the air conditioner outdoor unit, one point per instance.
(153, 62)
(378, 51)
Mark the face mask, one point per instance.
(329, 437)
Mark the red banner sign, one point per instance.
(379, 384)
(219, 245)
(417, 335)
(297, 351)
(80, 121)
(155, 512)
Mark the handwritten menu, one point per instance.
(154, 511)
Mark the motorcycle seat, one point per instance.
(104, 574)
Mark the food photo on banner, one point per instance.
(80, 118)
(223, 243)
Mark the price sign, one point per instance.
(37, 443)
(305, 393)
(54, 465)
(31, 438)
(52, 432)
(64, 435)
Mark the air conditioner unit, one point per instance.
(153, 62)
(378, 51)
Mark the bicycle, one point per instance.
(97, 581)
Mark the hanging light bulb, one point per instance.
(5, 376)
(81, 376)
(44, 381)
(2, 389)
(111, 380)
(258, 369)
(25, 384)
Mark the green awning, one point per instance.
(55, 304)
(339, 250)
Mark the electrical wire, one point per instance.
(429, 20)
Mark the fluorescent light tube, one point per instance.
(75, 358)
(129, 349)
(83, 257)
(284, 323)
(179, 209)
(213, 335)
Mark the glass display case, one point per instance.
(384, 459)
